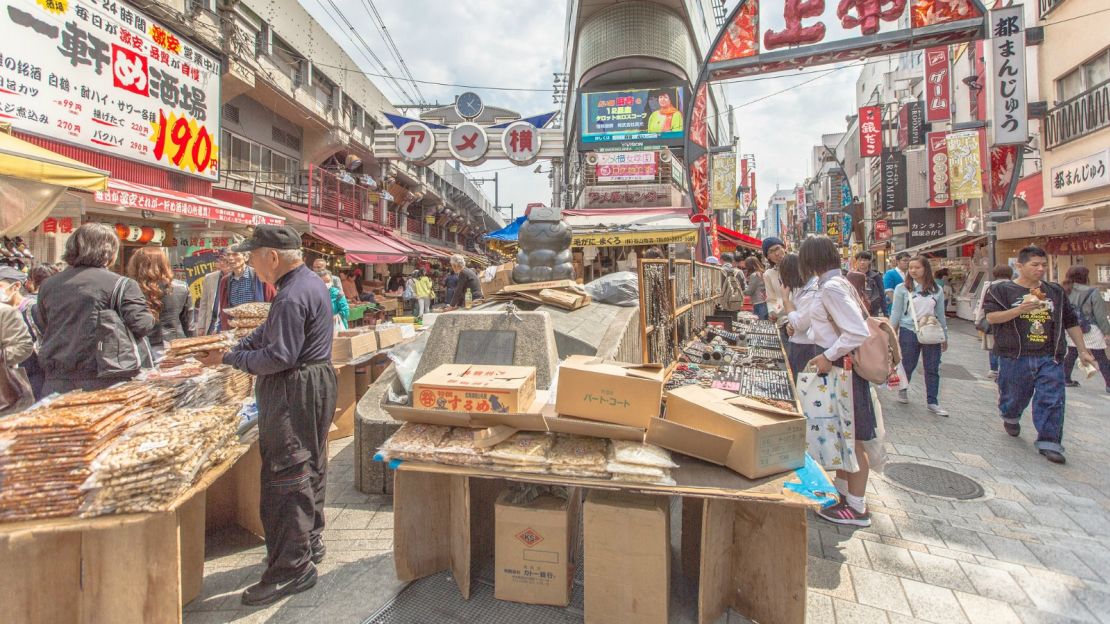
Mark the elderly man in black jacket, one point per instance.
(296, 392)
(68, 307)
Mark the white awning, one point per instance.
(963, 237)
(1094, 217)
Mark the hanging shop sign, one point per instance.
(833, 224)
(894, 181)
(627, 166)
(1010, 121)
(1003, 167)
(911, 125)
(936, 155)
(107, 77)
(926, 225)
(623, 239)
(722, 182)
(818, 222)
(847, 226)
(633, 117)
(1096, 243)
(938, 85)
(800, 197)
(196, 267)
(415, 142)
(630, 196)
(468, 143)
(1080, 175)
(882, 230)
(183, 206)
(521, 143)
(870, 131)
(965, 171)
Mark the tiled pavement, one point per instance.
(1035, 549)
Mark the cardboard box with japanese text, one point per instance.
(476, 388)
(613, 392)
(719, 427)
(534, 547)
(626, 556)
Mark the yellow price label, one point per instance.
(184, 142)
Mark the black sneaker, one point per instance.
(262, 594)
(318, 552)
(1014, 429)
(1055, 457)
(843, 513)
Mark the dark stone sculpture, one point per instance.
(544, 247)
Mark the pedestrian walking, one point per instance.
(208, 309)
(838, 326)
(70, 303)
(1091, 311)
(290, 353)
(918, 315)
(340, 309)
(1000, 273)
(775, 250)
(166, 298)
(800, 297)
(756, 288)
(37, 276)
(1029, 317)
(424, 291)
(15, 347)
(239, 286)
(468, 281)
(873, 290)
(894, 276)
(732, 285)
(13, 283)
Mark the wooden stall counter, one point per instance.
(743, 541)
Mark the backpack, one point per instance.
(733, 296)
(877, 358)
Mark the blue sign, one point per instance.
(845, 194)
(819, 222)
(847, 224)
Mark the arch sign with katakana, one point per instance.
(765, 36)
(521, 142)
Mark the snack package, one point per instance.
(523, 448)
(628, 452)
(578, 453)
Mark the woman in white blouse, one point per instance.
(799, 298)
(838, 326)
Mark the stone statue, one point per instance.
(544, 247)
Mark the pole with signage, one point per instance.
(1011, 119)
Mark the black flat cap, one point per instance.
(272, 236)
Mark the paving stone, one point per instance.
(933, 604)
(980, 610)
(951, 554)
(1008, 549)
(892, 560)
(879, 590)
(854, 613)
(830, 577)
(819, 609)
(1097, 601)
(916, 530)
(901, 543)
(1062, 560)
(965, 540)
(942, 572)
(971, 459)
(1053, 597)
(994, 583)
(842, 548)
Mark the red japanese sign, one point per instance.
(160, 200)
(936, 154)
(870, 131)
(882, 230)
(1003, 164)
(49, 225)
(65, 225)
(938, 87)
(1079, 245)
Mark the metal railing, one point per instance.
(276, 184)
(1078, 117)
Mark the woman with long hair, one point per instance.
(798, 300)
(167, 299)
(838, 326)
(756, 288)
(915, 300)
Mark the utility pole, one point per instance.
(496, 194)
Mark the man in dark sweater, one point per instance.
(1028, 318)
(468, 280)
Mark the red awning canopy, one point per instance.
(360, 247)
(133, 195)
(423, 249)
(737, 239)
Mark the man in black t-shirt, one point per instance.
(1028, 318)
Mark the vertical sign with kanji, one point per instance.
(870, 131)
(521, 142)
(938, 85)
(965, 165)
(722, 182)
(936, 155)
(1011, 120)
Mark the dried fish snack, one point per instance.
(516, 467)
(249, 322)
(460, 441)
(183, 343)
(523, 448)
(256, 309)
(578, 453)
(628, 452)
(617, 468)
(414, 438)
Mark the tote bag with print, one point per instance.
(830, 427)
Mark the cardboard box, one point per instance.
(388, 335)
(613, 392)
(626, 557)
(476, 388)
(719, 427)
(534, 548)
(502, 278)
(350, 345)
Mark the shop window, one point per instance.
(1084, 78)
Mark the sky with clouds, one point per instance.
(519, 44)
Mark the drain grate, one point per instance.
(933, 481)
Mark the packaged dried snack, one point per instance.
(617, 468)
(627, 452)
(523, 448)
(416, 438)
(578, 453)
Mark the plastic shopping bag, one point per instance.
(897, 379)
(830, 428)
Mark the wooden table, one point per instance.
(123, 568)
(743, 541)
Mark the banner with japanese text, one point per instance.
(722, 182)
(938, 85)
(926, 225)
(626, 166)
(870, 131)
(936, 155)
(1010, 120)
(622, 239)
(105, 76)
(965, 167)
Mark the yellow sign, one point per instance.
(183, 142)
(722, 182)
(965, 170)
(624, 239)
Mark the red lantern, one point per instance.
(146, 234)
(121, 231)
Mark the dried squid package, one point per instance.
(415, 441)
(523, 448)
(577, 456)
(627, 452)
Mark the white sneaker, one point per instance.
(938, 410)
(903, 396)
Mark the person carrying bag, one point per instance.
(918, 313)
(15, 347)
(119, 352)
